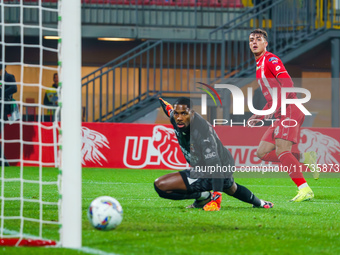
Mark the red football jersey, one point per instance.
(268, 68)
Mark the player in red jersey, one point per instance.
(276, 144)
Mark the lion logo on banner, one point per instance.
(161, 147)
(165, 141)
(92, 142)
(323, 145)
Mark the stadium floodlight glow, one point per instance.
(51, 37)
(113, 39)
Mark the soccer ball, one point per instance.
(105, 213)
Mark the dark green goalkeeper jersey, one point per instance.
(200, 144)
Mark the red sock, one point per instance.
(272, 157)
(296, 155)
(287, 159)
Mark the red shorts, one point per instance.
(282, 128)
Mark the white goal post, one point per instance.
(71, 214)
(38, 201)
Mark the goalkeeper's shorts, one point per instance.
(202, 184)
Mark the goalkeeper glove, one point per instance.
(167, 108)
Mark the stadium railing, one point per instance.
(138, 77)
(200, 15)
(205, 3)
(171, 14)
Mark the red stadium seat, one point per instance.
(185, 3)
(137, 2)
(210, 3)
(232, 3)
(161, 2)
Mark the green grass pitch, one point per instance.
(153, 225)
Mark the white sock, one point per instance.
(303, 186)
(262, 202)
(204, 195)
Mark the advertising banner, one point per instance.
(149, 146)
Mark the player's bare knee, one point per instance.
(282, 146)
(260, 153)
(157, 184)
(160, 184)
(279, 150)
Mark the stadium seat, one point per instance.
(185, 3)
(210, 3)
(137, 2)
(232, 3)
(161, 2)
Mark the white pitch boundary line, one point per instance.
(125, 198)
(117, 183)
(157, 198)
(281, 186)
(94, 251)
(16, 233)
(315, 200)
(82, 249)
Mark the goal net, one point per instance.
(34, 91)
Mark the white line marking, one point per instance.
(16, 233)
(117, 183)
(127, 198)
(94, 251)
(281, 186)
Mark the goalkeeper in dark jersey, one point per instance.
(202, 149)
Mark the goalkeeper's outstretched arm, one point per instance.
(167, 108)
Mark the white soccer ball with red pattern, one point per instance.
(105, 213)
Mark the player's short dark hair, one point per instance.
(261, 32)
(184, 101)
